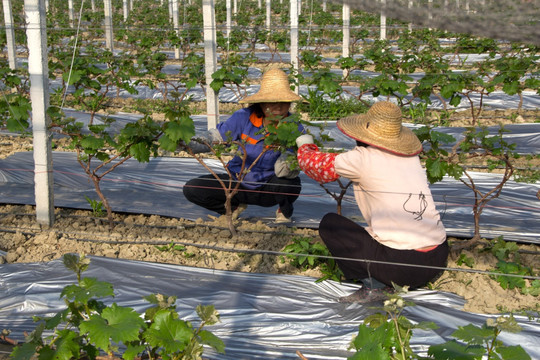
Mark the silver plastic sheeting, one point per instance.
(156, 188)
(262, 316)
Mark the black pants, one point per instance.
(206, 191)
(346, 239)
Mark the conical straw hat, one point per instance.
(381, 127)
(275, 87)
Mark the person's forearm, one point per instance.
(317, 165)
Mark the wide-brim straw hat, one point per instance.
(381, 127)
(275, 87)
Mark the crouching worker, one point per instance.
(392, 193)
(270, 181)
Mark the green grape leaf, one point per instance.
(168, 332)
(67, 345)
(208, 314)
(119, 324)
(87, 289)
(92, 143)
(455, 350)
(132, 351)
(513, 353)
(472, 334)
(140, 151)
(212, 340)
(24, 352)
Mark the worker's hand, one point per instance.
(304, 139)
(283, 166)
(201, 143)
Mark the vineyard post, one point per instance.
(346, 32)
(210, 61)
(108, 24)
(126, 9)
(409, 6)
(10, 34)
(39, 95)
(268, 14)
(176, 24)
(294, 39)
(228, 7)
(71, 13)
(383, 21)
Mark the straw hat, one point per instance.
(381, 127)
(275, 87)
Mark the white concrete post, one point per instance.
(383, 20)
(294, 38)
(71, 13)
(109, 38)
(93, 5)
(324, 5)
(259, 4)
(39, 96)
(176, 24)
(10, 34)
(409, 6)
(268, 14)
(210, 61)
(235, 7)
(346, 29)
(125, 7)
(228, 6)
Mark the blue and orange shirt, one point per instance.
(245, 125)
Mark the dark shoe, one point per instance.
(367, 295)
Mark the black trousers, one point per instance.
(206, 191)
(346, 239)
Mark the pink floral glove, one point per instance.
(317, 165)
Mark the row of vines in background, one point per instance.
(92, 76)
(378, 67)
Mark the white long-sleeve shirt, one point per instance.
(391, 192)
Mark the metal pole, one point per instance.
(39, 96)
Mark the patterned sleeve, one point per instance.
(317, 165)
